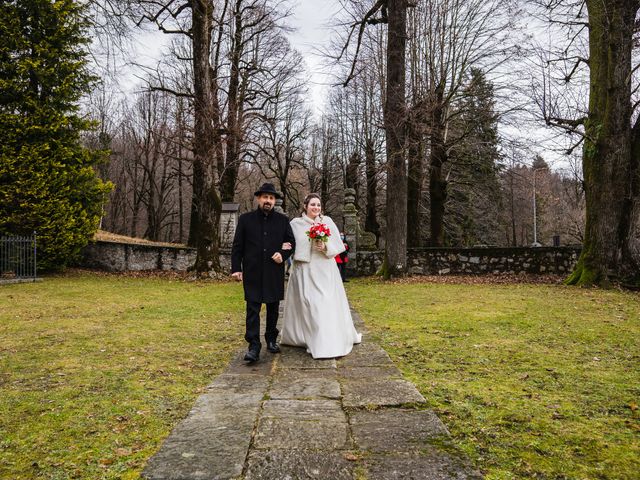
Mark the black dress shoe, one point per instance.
(273, 347)
(251, 356)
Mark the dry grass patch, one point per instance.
(114, 237)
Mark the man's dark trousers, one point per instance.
(252, 334)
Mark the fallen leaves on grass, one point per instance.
(488, 279)
(153, 274)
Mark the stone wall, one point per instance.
(442, 261)
(121, 257)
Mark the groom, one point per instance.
(257, 259)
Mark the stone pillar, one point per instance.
(228, 222)
(278, 207)
(350, 228)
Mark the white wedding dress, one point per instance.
(316, 310)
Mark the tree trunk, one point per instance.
(512, 202)
(371, 222)
(137, 200)
(282, 182)
(351, 173)
(395, 260)
(324, 184)
(152, 231)
(414, 183)
(437, 182)
(196, 192)
(630, 233)
(610, 160)
(207, 206)
(230, 173)
(180, 201)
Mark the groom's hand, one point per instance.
(237, 276)
(277, 257)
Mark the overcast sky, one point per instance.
(311, 21)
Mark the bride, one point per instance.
(316, 310)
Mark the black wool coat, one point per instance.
(258, 237)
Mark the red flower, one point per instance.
(319, 231)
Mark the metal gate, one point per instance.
(18, 256)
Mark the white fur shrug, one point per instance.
(301, 225)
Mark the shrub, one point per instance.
(47, 180)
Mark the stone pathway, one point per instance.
(291, 417)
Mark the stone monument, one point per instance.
(356, 236)
(228, 223)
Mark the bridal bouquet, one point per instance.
(320, 232)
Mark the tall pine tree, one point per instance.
(47, 180)
(473, 203)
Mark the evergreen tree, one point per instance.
(473, 203)
(47, 180)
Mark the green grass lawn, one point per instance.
(533, 381)
(96, 370)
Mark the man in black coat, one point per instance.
(257, 258)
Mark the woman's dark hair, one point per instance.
(308, 198)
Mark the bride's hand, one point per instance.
(286, 246)
(320, 246)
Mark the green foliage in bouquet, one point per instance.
(47, 178)
(319, 232)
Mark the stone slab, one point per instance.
(212, 442)
(295, 357)
(299, 465)
(388, 371)
(217, 402)
(330, 373)
(197, 451)
(358, 322)
(302, 424)
(395, 430)
(239, 383)
(303, 410)
(365, 355)
(317, 434)
(261, 367)
(379, 392)
(308, 384)
(434, 465)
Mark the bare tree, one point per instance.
(226, 51)
(394, 14)
(280, 146)
(195, 21)
(256, 47)
(601, 37)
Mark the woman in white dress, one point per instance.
(316, 310)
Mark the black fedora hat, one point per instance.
(267, 188)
